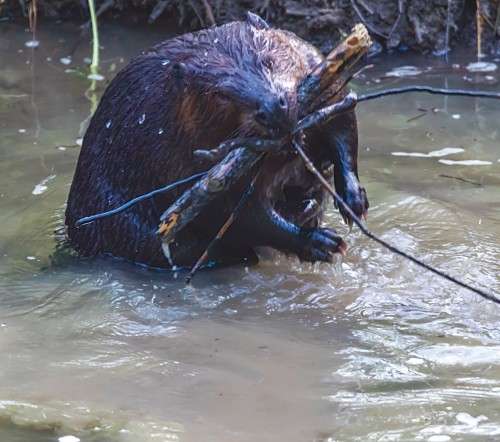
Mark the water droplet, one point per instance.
(22, 131)
(216, 41)
(108, 124)
(165, 62)
(160, 131)
(456, 116)
(65, 60)
(142, 119)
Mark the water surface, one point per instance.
(371, 348)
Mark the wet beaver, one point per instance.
(197, 90)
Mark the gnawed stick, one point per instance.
(336, 64)
(327, 186)
(217, 181)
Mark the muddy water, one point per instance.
(371, 348)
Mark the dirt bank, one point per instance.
(422, 25)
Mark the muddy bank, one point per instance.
(421, 25)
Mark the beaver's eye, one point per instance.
(223, 98)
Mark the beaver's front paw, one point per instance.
(320, 245)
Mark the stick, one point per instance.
(327, 113)
(138, 199)
(253, 143)
(429, 90)
(222, 231)
(310, 166)
(336, 63)
(218, 180)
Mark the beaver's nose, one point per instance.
(273, 114)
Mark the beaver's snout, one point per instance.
(274, 117)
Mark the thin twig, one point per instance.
(465, 180)
(447, 32)
(210, 14)
(398, 19)
(222, 231)
(326, 113)
(309, 164)
(365, 22)
(138, 199)
(416, 117)
(429, 90)
(158, 9)
(497, 21)
(479, 29)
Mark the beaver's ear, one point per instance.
(256, 21)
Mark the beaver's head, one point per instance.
(246, 74)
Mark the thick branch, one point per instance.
(218, 180)
(337, 64)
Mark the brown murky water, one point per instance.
(371, 348)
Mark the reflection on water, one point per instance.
(371, 348)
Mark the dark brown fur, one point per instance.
(195, 91)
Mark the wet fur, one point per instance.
(175, 98)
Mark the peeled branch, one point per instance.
(218, 180)
(332, 74)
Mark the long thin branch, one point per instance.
(429, 90)
(309, 164)
(222, 231)
(138, 199)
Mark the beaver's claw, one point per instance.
(321, 244)
(357, 202)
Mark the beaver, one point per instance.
(197, 90)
